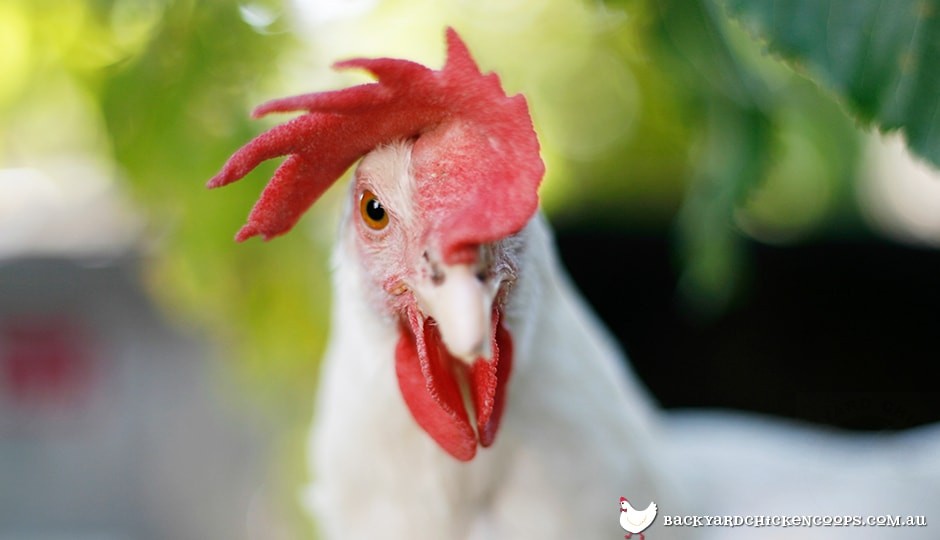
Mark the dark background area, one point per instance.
(843, 333)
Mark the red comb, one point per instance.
(474, 146)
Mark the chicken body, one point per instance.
(736, 464)
(578, 432)
(575, 436)
(467, 391)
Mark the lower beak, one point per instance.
(462, 306)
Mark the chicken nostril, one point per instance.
(437, 275)
(482, 276)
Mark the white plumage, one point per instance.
(737, 464)
(576, 435)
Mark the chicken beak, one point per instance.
(461, 303)
(454, 357)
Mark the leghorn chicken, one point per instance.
(467, 392)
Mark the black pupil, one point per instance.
(374, 210)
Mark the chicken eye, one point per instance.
(372, 211)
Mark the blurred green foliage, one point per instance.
(881, 58)
(653, 115)
(175, 111)
(767, 155)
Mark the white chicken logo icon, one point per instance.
(636, 521)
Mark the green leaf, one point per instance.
(881, 57)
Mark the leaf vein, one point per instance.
(903, 74)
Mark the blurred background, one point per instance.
(752, 245)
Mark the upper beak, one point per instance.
(461, 303)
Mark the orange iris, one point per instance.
(372, 211)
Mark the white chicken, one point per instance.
(467, 391)
(454, 326)
(636, 521)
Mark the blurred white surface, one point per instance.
(111, 422)
(900, 193)
(64, 207)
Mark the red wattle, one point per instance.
(427, 378)
(430, 389)
(488, 383)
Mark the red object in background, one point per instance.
(44, 361)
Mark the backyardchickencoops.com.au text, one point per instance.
(795, 521)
